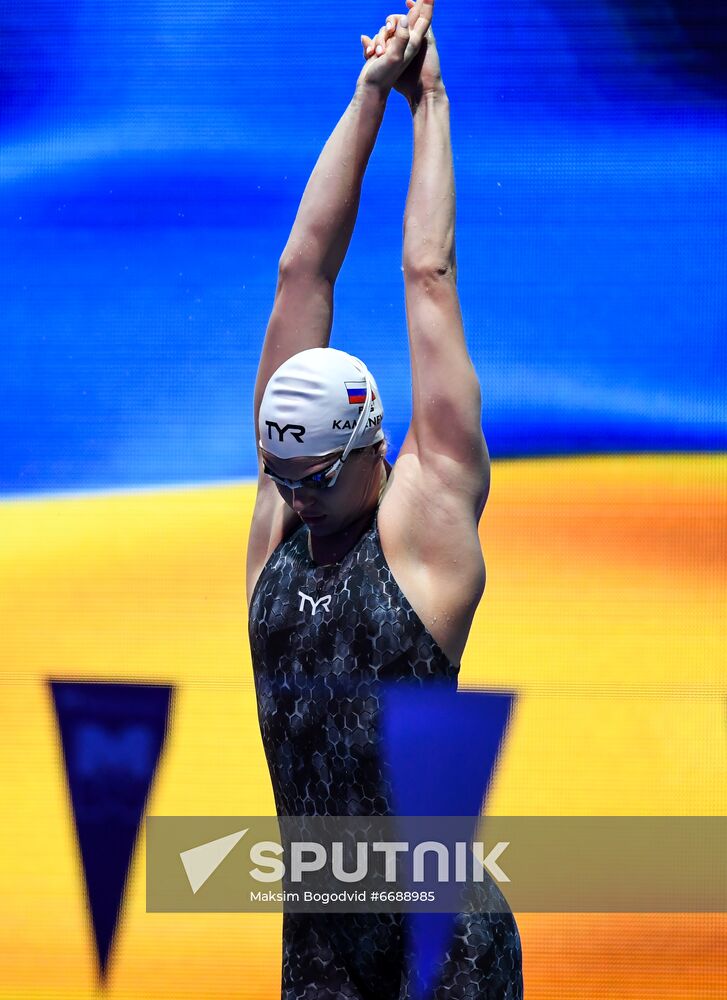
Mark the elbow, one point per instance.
(295, 266)
(302, 254)
(297, 263)
(429, 271)
(291, 262)
(428, 252)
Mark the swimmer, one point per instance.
(359, 571)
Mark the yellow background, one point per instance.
(604, 610)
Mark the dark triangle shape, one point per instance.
(442, 747)
(112, 736)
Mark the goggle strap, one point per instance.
(358, 431)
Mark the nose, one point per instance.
(300, 499)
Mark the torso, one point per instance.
(325, 641)
(320, 668)
(431, 545)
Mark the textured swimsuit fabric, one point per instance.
(318, 668)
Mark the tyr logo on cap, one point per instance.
(297, 431)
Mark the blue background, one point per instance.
(153, 157)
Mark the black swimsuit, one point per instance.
(323, 638)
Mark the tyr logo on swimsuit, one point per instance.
(322, 602)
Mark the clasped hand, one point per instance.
(403, 53)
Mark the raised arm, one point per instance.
(446, 429)
(303, 308)
(309, 265)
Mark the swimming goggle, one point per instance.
(322, 480)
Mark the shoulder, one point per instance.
(433, 542)
(429, 537)
(433, 510)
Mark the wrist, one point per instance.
(370, 93)
(434, 94)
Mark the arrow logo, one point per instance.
(200, 862)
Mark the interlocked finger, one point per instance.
(384, 35)
(413, 11)
(419, 31)
(370, 44)
(420, 18)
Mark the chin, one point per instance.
(322, 529)
(317, 528)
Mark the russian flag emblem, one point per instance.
(357, 392)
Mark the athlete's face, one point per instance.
(327, 510)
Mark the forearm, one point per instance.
(327, 213)
(429, 218)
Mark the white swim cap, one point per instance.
(317, 402)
